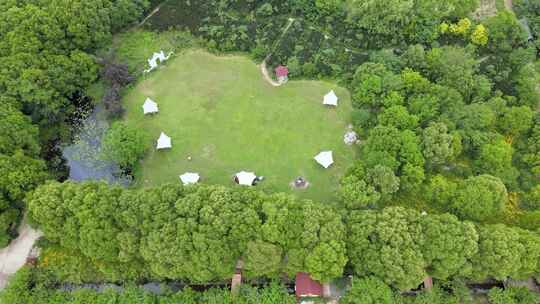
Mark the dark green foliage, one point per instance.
(480, 198)
(125, 145)
(449, 246)
(195, 233)
(512, 295)
(17, 132)
(8, 216)
(437, 144)
(438, 295)
(368, 290)
(262, 260)
(31, 286)
(505, 252)
(496, 159)
(387, 245)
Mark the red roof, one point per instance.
(282, 71)
(306, 287)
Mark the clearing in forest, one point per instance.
(222, 113)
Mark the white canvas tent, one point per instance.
(163, 142)
(245, 178)
(325, 158)
(153, 62)
(330, 99)
(189, 178)
(150, 106)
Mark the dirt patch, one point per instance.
(208, 151)
(13, 257)
(487, 8)
(509, 5)
(266, 75)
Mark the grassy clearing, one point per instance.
(221, 112)
(135, 47)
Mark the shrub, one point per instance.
(369, 290)
(123, 144)
(512, 295)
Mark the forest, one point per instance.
(446, 183)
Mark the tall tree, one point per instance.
(480, 198)
(387, 245)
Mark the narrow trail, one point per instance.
(264, 70)
(509, 5)
(150, 15)
(13, 257)
(266, 76)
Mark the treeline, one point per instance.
(30, 286)
(198, 234)
(442, 135)
(47, 65)
(35, 286)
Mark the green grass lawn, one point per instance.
(221, 112)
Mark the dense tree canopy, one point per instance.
(444, 106)
(194, 233)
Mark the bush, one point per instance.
(369, 290)
(512, 295)
(117, 74)
(8, 216)
(125, 145)
(112, 101)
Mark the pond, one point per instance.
(83, 155)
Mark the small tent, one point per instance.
(245, 178)
(150, 106)
(189, 178)
(330, 99)
(163, 142)
(325, 158)
(153, 62)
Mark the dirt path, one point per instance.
(264, 70)
(151, 14)
(14, 256)
(508, 4)
(266, 76)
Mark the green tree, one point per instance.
(384, 180)
(480, 198)
(372, 83)
(512, 295)
(496, 159)
(387, 244)
(262, 260)
(499, 253)
(456, 68)
(515, 121)
(368, 290)
(17, 132)
(449, 246)
(398, 117)
(357, 194)
(440, 192)
(8, 216)
(21, 174)
(532, 152)
(124, 145)
(437, 144)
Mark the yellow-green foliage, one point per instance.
(461, 28)
(443, 27)
(479, 35)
